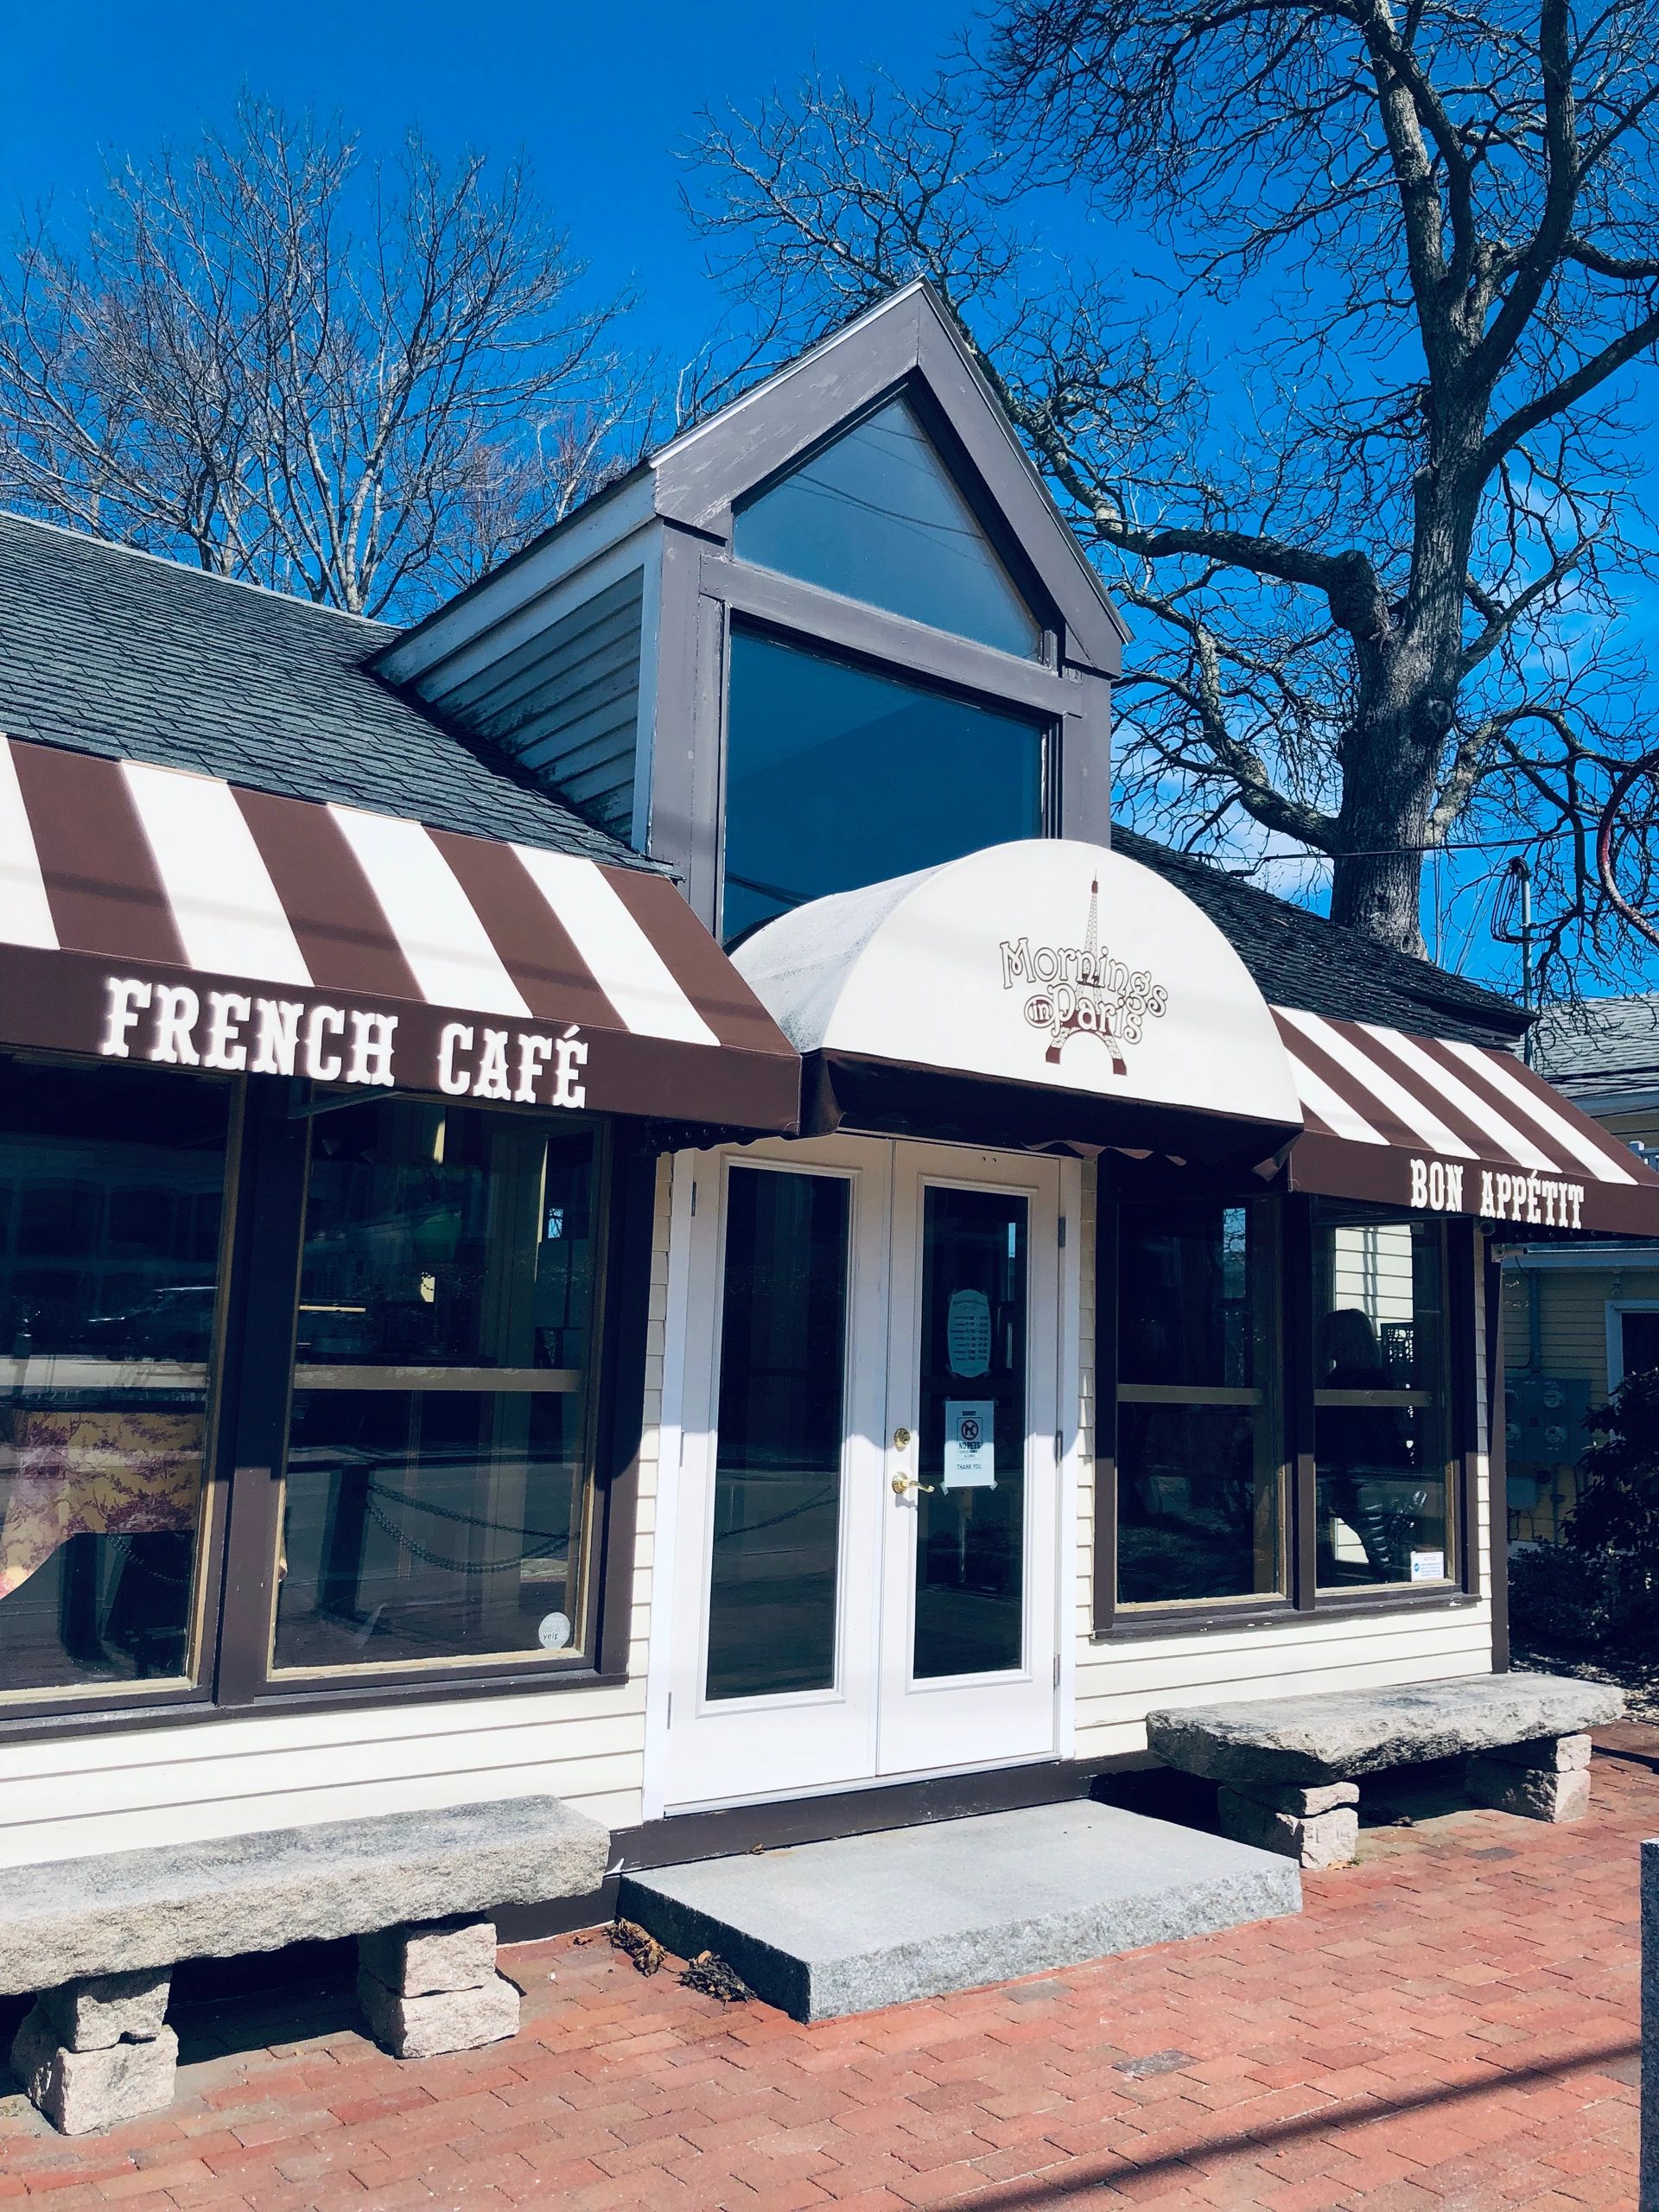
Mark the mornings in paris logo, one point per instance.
(1079, 991)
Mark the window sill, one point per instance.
(194, 1709)
(1144, 1628)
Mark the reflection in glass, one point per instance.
(876, 516)
(1380, 1406)
(783, 1359)
(1200, 1485)
(112, 1194)
(971, 1435)
(836, 777)
(435, 1501)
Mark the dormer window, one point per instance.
(875, 515)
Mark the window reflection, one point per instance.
(111, 1197)
(437, 1494)
(1381, 1435)
(1200, 1479)
(836, 777)
(877, 515)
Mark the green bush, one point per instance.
(1597, 1591)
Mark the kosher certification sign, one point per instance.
(970, 1443)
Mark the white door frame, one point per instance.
(689, 1387)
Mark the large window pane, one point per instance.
(1380, 1400)
(437, 1480)
(836, 777)
(1200, 1478)
(111, 1199)
(877, 515)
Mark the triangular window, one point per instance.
(877, 515)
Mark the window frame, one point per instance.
(263, 1236)
(1306, 1601)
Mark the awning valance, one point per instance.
(1045, 992)
(1447, 1127)
(149, 913)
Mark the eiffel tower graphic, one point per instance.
(1073, 1024)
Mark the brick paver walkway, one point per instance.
(1450, 2027)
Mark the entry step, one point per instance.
(823, 1930)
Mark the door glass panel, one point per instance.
(971, 1435)
(783, 1387)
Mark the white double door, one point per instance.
(863, 1536)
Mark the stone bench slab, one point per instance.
(128, 1910)
(1339, 1735)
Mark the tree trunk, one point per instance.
(1389, 761)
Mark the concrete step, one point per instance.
(823, 1930)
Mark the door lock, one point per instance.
(903, 1483)
(900, 1440)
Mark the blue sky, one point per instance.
(600, 96)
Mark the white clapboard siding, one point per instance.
(194, 1781)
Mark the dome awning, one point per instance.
(1043, 992)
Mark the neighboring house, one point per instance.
(1579, 1317)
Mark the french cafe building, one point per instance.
(631, 1195)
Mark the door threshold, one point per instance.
(859, 1783)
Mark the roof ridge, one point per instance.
(184, 569)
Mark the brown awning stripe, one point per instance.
(1454, 1127)
(151, 912)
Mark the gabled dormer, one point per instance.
(838, 632)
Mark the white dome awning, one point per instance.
(1105, 994)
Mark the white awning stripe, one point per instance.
(25, 912)
(433, 922)
(625, 964)
(1402, 1105)
(1602, 1161)
(1517, 1144)
(229, 918)
(1338, 1116)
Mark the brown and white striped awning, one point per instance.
(1428, 1123)
(148, 914)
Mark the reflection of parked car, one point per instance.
(173, 1322)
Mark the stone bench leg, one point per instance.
(1548, 1780)
(98, 2050)
(433, 1988)
(1318, 1827)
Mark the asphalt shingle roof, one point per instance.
(119, 653)
(1301, 959)
(1587, 1046)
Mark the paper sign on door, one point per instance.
(970, 1443)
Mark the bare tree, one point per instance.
(361, 381)
(1359, 451)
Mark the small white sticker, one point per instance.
(554, 1632)
(970, 1443)
(1428, 1567)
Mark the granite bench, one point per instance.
(95, 1939)
(1289, 1767)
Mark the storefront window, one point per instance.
(836, 777)
(1380, 1438)
(437, 1475)
(1200, 1479)
(111, 1203)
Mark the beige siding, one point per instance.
(1572, 1331)
(228, 1777)
(1119, 1683)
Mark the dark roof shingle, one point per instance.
(1590, 1047)
(120, 653)
(1301, 959)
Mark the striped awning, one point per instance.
(1448, 1127)
(148, 914)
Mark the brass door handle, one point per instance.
(903, 1483)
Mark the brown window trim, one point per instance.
(1117, 1625)
(265, 1187)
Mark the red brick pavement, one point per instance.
(1450, 2026)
